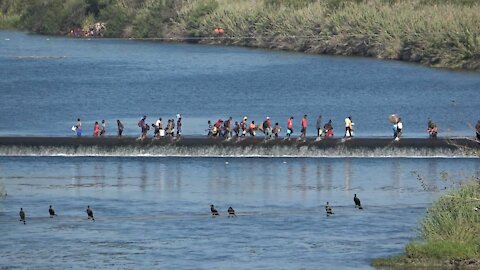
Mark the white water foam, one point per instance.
(219, 151)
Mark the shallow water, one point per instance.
(155, 211)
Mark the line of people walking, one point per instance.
(99, 130)
(242, 128)
(170, 129)
(229, 129)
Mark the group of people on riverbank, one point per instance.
(242, 128)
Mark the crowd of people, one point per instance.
(170, 129)
(230, 128)
(159, 129)
(243, 128)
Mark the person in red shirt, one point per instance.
(95, 129)
(289, 127)
(304, 127)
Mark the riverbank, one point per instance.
(450, 233)
(440, 33)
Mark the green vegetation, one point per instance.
(440, 33)
(450, 232)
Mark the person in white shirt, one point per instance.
(399, 129)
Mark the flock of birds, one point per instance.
(328, 208)
(52, 213)
(231, 211)
(213, 210)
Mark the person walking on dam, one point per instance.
(96, 129)
(303, 134)
(143, 126)
(399, 129)
(179, 125)
(328, 129)
(102, 129)
(78, 127)
(432, 129)
(348, 127)
(289, 127)
(120, 128)
(319, 128)
(477, 130)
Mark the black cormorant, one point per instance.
(22, 215)
(231, 212)
(328, 209)
(357, 202)
(90, 213)
(51, 211)
(214, 211)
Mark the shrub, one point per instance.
(200, 9)
(115, 19)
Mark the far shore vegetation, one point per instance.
(449, 233)
(439, 33)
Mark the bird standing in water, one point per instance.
(231, 212)
(357, 202)
(90, 213)
(22, 216)
(51, 211)
(328, 209)
(213, 210)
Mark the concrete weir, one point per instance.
(249, 146)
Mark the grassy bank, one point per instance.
(450, 233)
(440, 33)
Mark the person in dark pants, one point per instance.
(477, 129)
(303, 134)
(319, 128)
(102, 128)
(179, 125)
(78, 127)
(120, 128)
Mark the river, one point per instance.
(153, 211)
